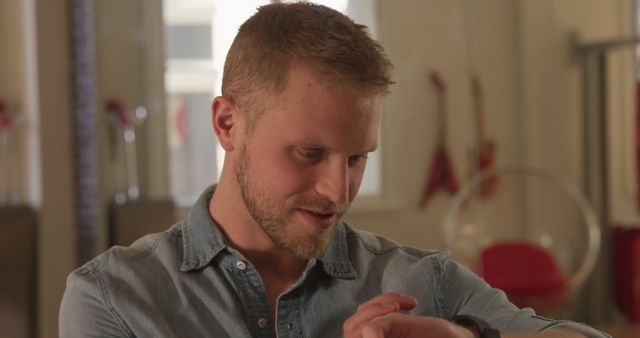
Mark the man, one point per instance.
(265, 253)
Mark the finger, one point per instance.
(380, 305)
(408, 303)
(375, 307)
(405, 302)
(368, 312)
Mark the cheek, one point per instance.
(355, 179)
(281, 172)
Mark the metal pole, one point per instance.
(86, 159)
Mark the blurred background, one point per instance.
(105, 135)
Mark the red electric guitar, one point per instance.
(441, 175)
(484, 154)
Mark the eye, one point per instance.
(311, 155)
(357, 159)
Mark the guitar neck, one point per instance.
(481, 137)
(442, 119)
(442, 107)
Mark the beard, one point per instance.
(277, 219)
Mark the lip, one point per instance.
(318, 220)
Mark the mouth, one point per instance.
(319, 219)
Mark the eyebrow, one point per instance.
(312, 144)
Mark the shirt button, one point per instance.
(241, 265)
(262, 323)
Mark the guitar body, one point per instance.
(441, 176)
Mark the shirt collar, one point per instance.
(202, 241)
(335, 261)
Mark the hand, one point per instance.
(380, 317)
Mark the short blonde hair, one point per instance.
(333, 46)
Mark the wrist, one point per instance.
(466, 331)
(478, 327)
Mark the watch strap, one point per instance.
(483, 328)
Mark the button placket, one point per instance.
(288, 319)
(252, 294)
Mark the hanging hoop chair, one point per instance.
(536, 236)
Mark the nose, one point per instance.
(333, 182)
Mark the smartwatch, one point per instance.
(480, 326)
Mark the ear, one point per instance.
(224, 115)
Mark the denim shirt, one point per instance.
(188, 282)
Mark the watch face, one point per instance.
(490, 333)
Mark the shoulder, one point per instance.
(371, 251)
(384, 265)
(155, 252)
(158, 244)
(378, 245)
(93, 295)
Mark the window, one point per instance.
(198, 34)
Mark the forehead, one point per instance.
(311, 108)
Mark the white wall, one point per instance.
(456, 38)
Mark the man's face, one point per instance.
(301, 165)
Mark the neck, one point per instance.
(277, 267)
(244, 234)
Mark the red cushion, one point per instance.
(521, 269)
